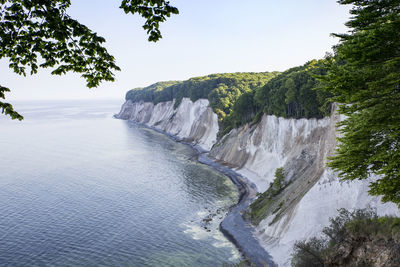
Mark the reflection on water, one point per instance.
(79, 188)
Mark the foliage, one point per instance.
(293, 94)
(222, 90)
(290, 94)
(7, 108)
(309, 254)
(364, 75)
(260, 206)
(154, 11)
(356, 225)
(278, 184)
(40, 34)
(381, 227)
(337, 230)
(359, 223)
(243, 110)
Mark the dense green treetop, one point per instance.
(222, 90)
(40, 34)
(364, 75)
(292, 94)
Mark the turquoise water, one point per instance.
(79, 188)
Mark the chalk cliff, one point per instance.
(191, 122)
(300, 146)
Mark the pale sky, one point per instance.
(208, 36)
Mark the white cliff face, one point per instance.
(258, 151)
(314, 193)
(191, 122)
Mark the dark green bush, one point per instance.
(309, 254)
(362, 223)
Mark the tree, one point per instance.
(40, 34)
(291, 95)
(364, 76)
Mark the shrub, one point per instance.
(309, 254)
(359, 223)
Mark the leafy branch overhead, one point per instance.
(7, 108)
(154, 11)
(40, 34)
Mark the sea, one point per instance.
(81, 188)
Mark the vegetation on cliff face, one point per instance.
(358, 238)
(238, 98)
(260, 206)
(291, 94)
(364, 75)
(222, 90)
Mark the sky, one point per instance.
(208, 36)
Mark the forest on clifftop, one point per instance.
(238, 98)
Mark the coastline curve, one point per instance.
(233, 226)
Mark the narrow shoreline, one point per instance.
(233, 226)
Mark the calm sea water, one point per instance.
(79, 188)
